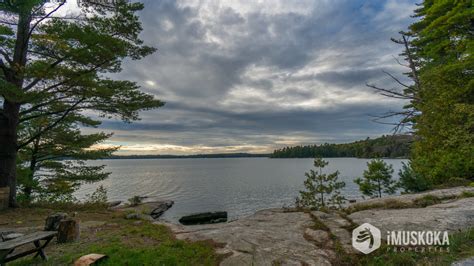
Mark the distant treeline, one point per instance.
(392, 146)
(216, 155)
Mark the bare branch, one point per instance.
(8, 23)
(46, 16)
(400, 63)
(390, 93)
(396, 79)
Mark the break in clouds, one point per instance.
(251, 76)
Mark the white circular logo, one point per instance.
(366, 238)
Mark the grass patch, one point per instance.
(427, 200)
(66, 206)
(461, 246)
(317, 224)
(386, 204)
(352, 225)
(466, 194)
(421, 202)
(126, 242)
(131, 244)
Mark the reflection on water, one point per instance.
(237, 185)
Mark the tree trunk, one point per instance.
(68, 231)
(10, 115)
(8, 148)
(380, 189)
(28, 187)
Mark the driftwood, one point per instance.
(90, 259)
(68, 231)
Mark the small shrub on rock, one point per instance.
(322, 191)
(377, 179)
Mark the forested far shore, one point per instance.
(168, 156)
(390, 146)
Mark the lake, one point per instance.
(239, 186)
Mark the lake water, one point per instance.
(239, 186)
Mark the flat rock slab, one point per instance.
(337, 225)
(410, 198)
(451, 216)
(465, 262)
(268, 237)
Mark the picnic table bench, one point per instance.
(8, 247)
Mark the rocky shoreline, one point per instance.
(290, 237)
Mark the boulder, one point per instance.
(204, 218)
(52, 221)
(133, 216)
(160, 208)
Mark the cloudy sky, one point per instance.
(252, 76)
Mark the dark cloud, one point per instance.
(263, 74)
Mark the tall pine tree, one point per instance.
(53, 64)
(443, 39)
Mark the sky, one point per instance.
(254, 75)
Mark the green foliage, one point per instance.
(427, 200)
(410, 181)
(131, 244)
(54, 74)
(99, 196)
(443, 42)
(135, 200)
(322, 190)
(394, 146)
(377, 179)
(467, 194)
(54, 165)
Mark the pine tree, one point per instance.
(53, 64)
(322, 190)
(377, 179)
(443, 40)
(53, 166)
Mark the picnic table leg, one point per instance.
(3, 256)
(40, 251)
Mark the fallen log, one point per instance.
(204, 218)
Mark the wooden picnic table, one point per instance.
(8, 247)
